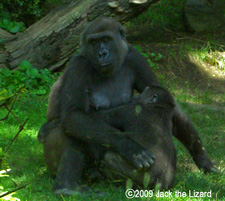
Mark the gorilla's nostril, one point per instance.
(102, 55)
(105, 55)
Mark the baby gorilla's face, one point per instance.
(148, 96)
(155, 95)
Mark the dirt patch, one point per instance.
(178, 62)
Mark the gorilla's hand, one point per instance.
(204, 163)
(135, 154)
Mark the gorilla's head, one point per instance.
(104, 45)
(155, 95)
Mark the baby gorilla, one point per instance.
(154, 105)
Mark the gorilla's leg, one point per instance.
(152, 133)
(119, 171)
(65, 158)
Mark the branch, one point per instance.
(21, 128)
(14, 115)
(9, 192)
(9, 110)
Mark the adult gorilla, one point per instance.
(103, 76)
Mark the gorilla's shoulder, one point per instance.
(133, 53)
(77, 61)
(132, 50)
(135, 59)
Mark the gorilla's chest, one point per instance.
(112, 92)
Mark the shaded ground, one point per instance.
(179, 60)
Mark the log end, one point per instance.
(113, 4)
(137, 2)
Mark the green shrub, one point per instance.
(9, 25)
(23, 10)
(27, 11)
(152, 58)
(37, 82)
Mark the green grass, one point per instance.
(167, 13)
(27, 164)
(25, 157)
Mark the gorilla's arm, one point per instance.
(183, 128)
(143, 73)
(78, 122)
(75, 116)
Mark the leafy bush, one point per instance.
(152, 58)
(27, 11)
(37, 82)
(23, 10)
(8, 25)
(3, 161)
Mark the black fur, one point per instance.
(148, 121)
(102, 78)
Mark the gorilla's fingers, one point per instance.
(143, 160)
(150, 157)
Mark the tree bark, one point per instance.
(50, 42)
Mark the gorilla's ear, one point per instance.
(122, 33)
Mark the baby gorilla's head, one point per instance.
(154, 95)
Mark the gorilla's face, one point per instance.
(102, 49)
(104, 45)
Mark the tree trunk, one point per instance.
(50, 42)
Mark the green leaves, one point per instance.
(5, 98)
(152, 58)
(129, 184)
(37, 82)
(11, 26)
(26, 67)
(146, 180)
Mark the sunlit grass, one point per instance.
(25, 156)
(27, 162)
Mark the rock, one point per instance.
(204, 15)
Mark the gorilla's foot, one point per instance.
(82, 191)
(79, 190)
